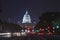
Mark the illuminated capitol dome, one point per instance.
(26, 21)
(26, 18)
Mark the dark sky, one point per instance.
(15, 9)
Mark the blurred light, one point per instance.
(49, 33)
(42, 29)
(53, 27)
(53, 31)
(17, 34)
(40, 33)
(25, 30)
(46, 29)
(5, 34)
(57, 26)
(33, 30)
(28, 30)
(36, 30)
(23, 34)
(22, 30)
(33, 33)
(8, 33)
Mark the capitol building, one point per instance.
(27, 22)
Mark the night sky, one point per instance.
(15, 9)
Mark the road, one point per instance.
(34, 37)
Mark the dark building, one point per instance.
(50, 22)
